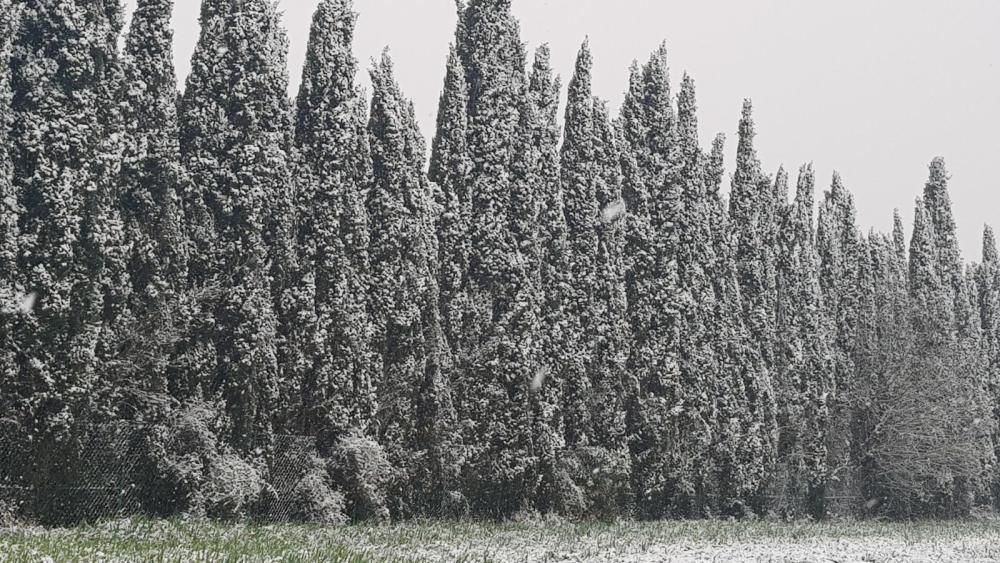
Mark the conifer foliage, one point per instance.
(332, 364)
(9, 213)
(235, 141)
(153, 181)
(282, 307)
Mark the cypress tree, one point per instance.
(988, 284)
(803, 360)
(65, 80)
(736, 436)
(332, 328)
(932, 312)
(839, 244)
(933, 319)
(631, 130)
(415, 408)
(551, 279)
(654, 311)
(643, 129)
(152, 181)
(693, 412)
(449, 169)
(966, 330)
(659, 116)
(497, 367)
(235, 143)
(9, 213)
(609, 335)
(65, 76)
(751, 208)
(578, 177)
(751, 212)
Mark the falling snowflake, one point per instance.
(26, 303)
(539, 379)
(613, 211)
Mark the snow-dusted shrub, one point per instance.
(187, 469)
(315, 500)
(9, 513)
(568, 498)
(454, 505)
(361, 468)
(232, 485)
(593, 482)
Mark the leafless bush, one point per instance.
(929, 434)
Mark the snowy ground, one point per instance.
(134, 540)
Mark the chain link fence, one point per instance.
(110, 471)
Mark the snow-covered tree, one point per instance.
(643, 128)
(988, 285)
(751, 208)
(803, 360)
(449, 169)
(152, 181)
(494, 347)
(970, 367)
(235, 137)
(333, 365)
(551, 277)
(693, 406)
(838, 242)
(9, 214)
(65, 76)
(579, 175)
(652, 279)
(415, 413)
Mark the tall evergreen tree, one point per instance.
(966, 330)
(643, 128)
(494, 348)
(608, 341)
(551, 277)
(579, 175)
(653, 302)
(736, 436)
(449, 169)
(9, 213)
(988, 284)
(332, 328)
(693, 412)
(152, 181)
(751, 207)
(839, 244)
(65, 76)
(235, 143)
(415, 401)
(803, 360)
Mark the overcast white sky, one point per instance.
(872, 89)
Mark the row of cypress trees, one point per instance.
(569, 319)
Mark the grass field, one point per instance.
(183, 541)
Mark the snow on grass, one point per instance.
(548, 541)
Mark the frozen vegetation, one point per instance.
(220, 302)
(553, 541)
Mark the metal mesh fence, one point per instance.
(106, 472)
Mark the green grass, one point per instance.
(192, 540)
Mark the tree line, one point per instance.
(556, 317)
